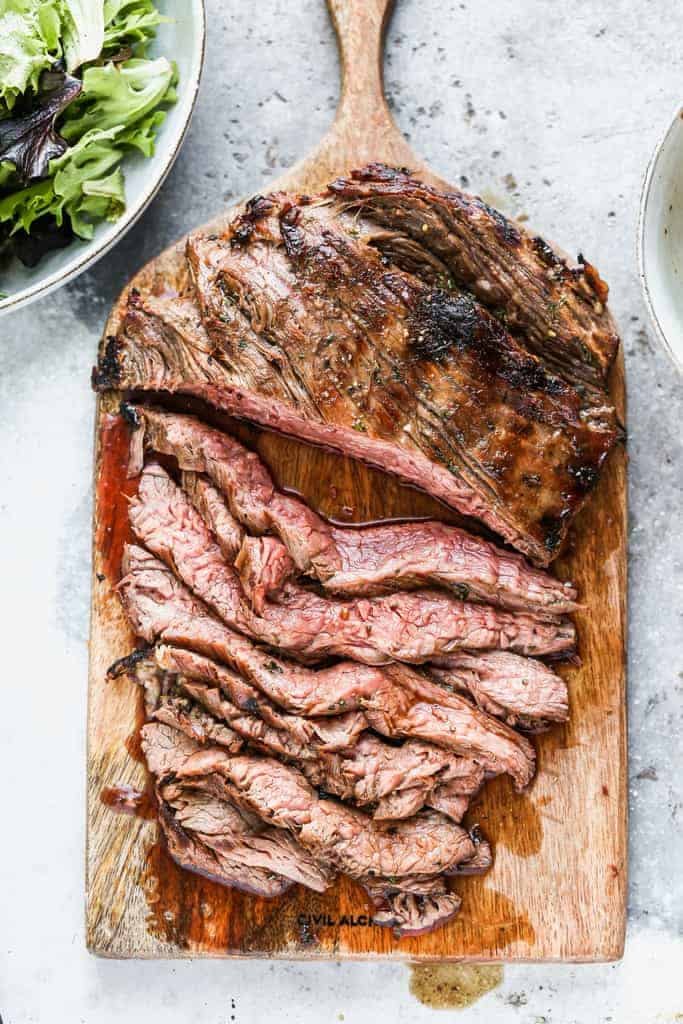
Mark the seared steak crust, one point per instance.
(318, 323)
(559, 310)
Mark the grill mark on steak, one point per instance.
(561, 310)
(408, 626)
(348, 560)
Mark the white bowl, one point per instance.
(660, 239)
(181, 40)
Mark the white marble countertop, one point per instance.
(550, 110)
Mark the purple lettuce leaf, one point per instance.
(31, 141)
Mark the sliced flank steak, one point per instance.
(522, 691)
(427, 844)
(346, 560)
(408, 626)
(397, 701)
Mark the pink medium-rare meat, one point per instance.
(408, 626)
(347, 560)
(380, 559)
(395, 700)
(219, 840)
(400, 704)
(264, 566)
(369, 771)
(210, 504)
(190, 853)
(522, 691)
(425, 845)
(419, 759)
(242, 839)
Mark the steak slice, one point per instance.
(448, 801)
(425, 845)
(166, 749)
(408, 626)
(264, 566)
(242, 839)
(193, 722)
(215, 513)
(380, 559)
(521, 691)
(396, 700)
(407, 913)
(347, 560)
(561, 310)
(190, 853)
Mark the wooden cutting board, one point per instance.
(557, 889)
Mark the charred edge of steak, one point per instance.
(122, 666)
(107, 372)
(130, 414)
(243, 226)
(442, 324)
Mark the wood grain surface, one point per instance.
(557, 889)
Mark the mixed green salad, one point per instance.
(77, 92)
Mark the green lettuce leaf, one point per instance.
(117, 95)
(130, 23)
(82, 31)
(86, 185)
(29, 44)
(142, 134)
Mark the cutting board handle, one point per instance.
(360, 26)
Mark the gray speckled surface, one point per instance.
(550, 110)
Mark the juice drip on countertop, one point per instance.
(453, 986)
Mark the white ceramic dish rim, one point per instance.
(135, 209)
(644, 203)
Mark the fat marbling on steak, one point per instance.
(300, 323)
